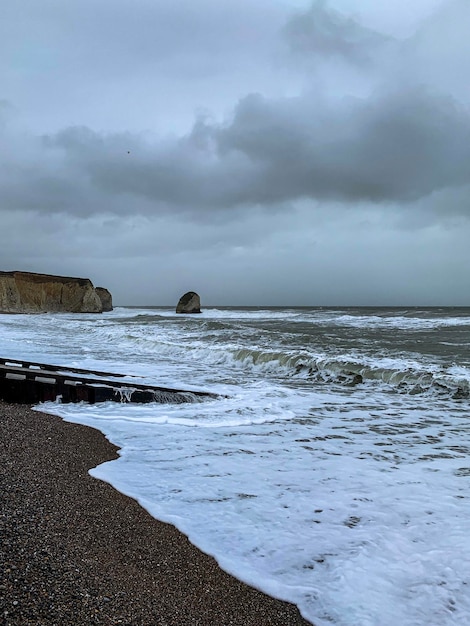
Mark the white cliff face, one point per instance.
(26, 292)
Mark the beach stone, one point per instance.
(190, 302)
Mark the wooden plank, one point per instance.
(55, 368)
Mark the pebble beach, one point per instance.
(75, 551)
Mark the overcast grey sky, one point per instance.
(259, 152)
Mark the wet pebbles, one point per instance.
(73, 551)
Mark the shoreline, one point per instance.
(76, 551)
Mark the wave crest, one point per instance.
(398, 377)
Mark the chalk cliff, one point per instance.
(106, 298)
(26, 292)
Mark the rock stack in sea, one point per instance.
(106, 298)
(190, 302)
(27, 292)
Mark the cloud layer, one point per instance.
(342, 123)
(393, 147)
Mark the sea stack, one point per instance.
(27, 292)
(106, 298)
(189, 303)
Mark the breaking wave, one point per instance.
(400, 376)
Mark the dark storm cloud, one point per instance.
(399, 143)
(391, 147)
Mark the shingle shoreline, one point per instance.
(74, 551)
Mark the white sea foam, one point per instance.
(350, 501)
(318, 501)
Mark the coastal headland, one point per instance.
(75, 551)
(28, 292)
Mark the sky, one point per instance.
(258, 152)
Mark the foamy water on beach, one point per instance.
(334, 469)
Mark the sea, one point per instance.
(332, 470)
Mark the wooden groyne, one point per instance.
(26, 382)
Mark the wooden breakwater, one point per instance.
(26, 382)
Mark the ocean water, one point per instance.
(334, 469)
